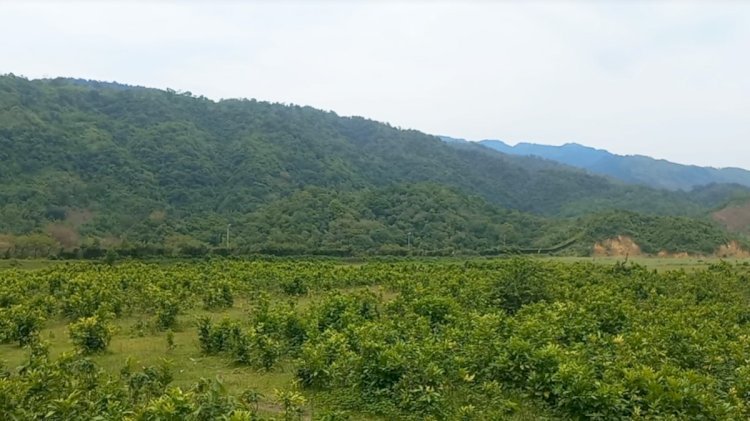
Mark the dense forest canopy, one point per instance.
(93, 164)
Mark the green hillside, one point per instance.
(106, 165)
(394, 220)
(674, 234)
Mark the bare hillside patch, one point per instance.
(734, 218)
(66, 235)
(78, 217)
(618, 246)
(732, 249)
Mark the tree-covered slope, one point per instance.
(394, 220)
(85, 161)
(653, 234)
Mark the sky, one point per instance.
(665, 79)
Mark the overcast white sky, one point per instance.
(666, 79)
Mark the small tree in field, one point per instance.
(91, 334)
(111, 257)
(24, 324)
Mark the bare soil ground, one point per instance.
(734, 218)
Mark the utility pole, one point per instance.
(408, 240)
(228, 225)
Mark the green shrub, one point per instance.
(166, 314)
(218, 338)
(20, 324)
(522, 282)
(296, 286)
(218, 296)
(91, 334)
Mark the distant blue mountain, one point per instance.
(636, 169)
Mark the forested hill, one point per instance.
(91, 161)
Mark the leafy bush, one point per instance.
(91, 334)
(218, 296)
(218, 338)
(483, 339)
(521, 283)
(166, 314)
(297, 286)
(20, 324)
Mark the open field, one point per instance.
(26, 263)
(540, 338)
(659, 263)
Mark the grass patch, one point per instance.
(185, 359)
(659, 263)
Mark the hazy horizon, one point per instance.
(662, 79)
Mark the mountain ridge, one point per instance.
(639, 169)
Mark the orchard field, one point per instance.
(443, 339)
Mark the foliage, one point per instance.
(89, 168)
(656, 233)
(478, 339)
(20, 324)
(91, 334)
(73, 387)
(166, 314)
(218, 296)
